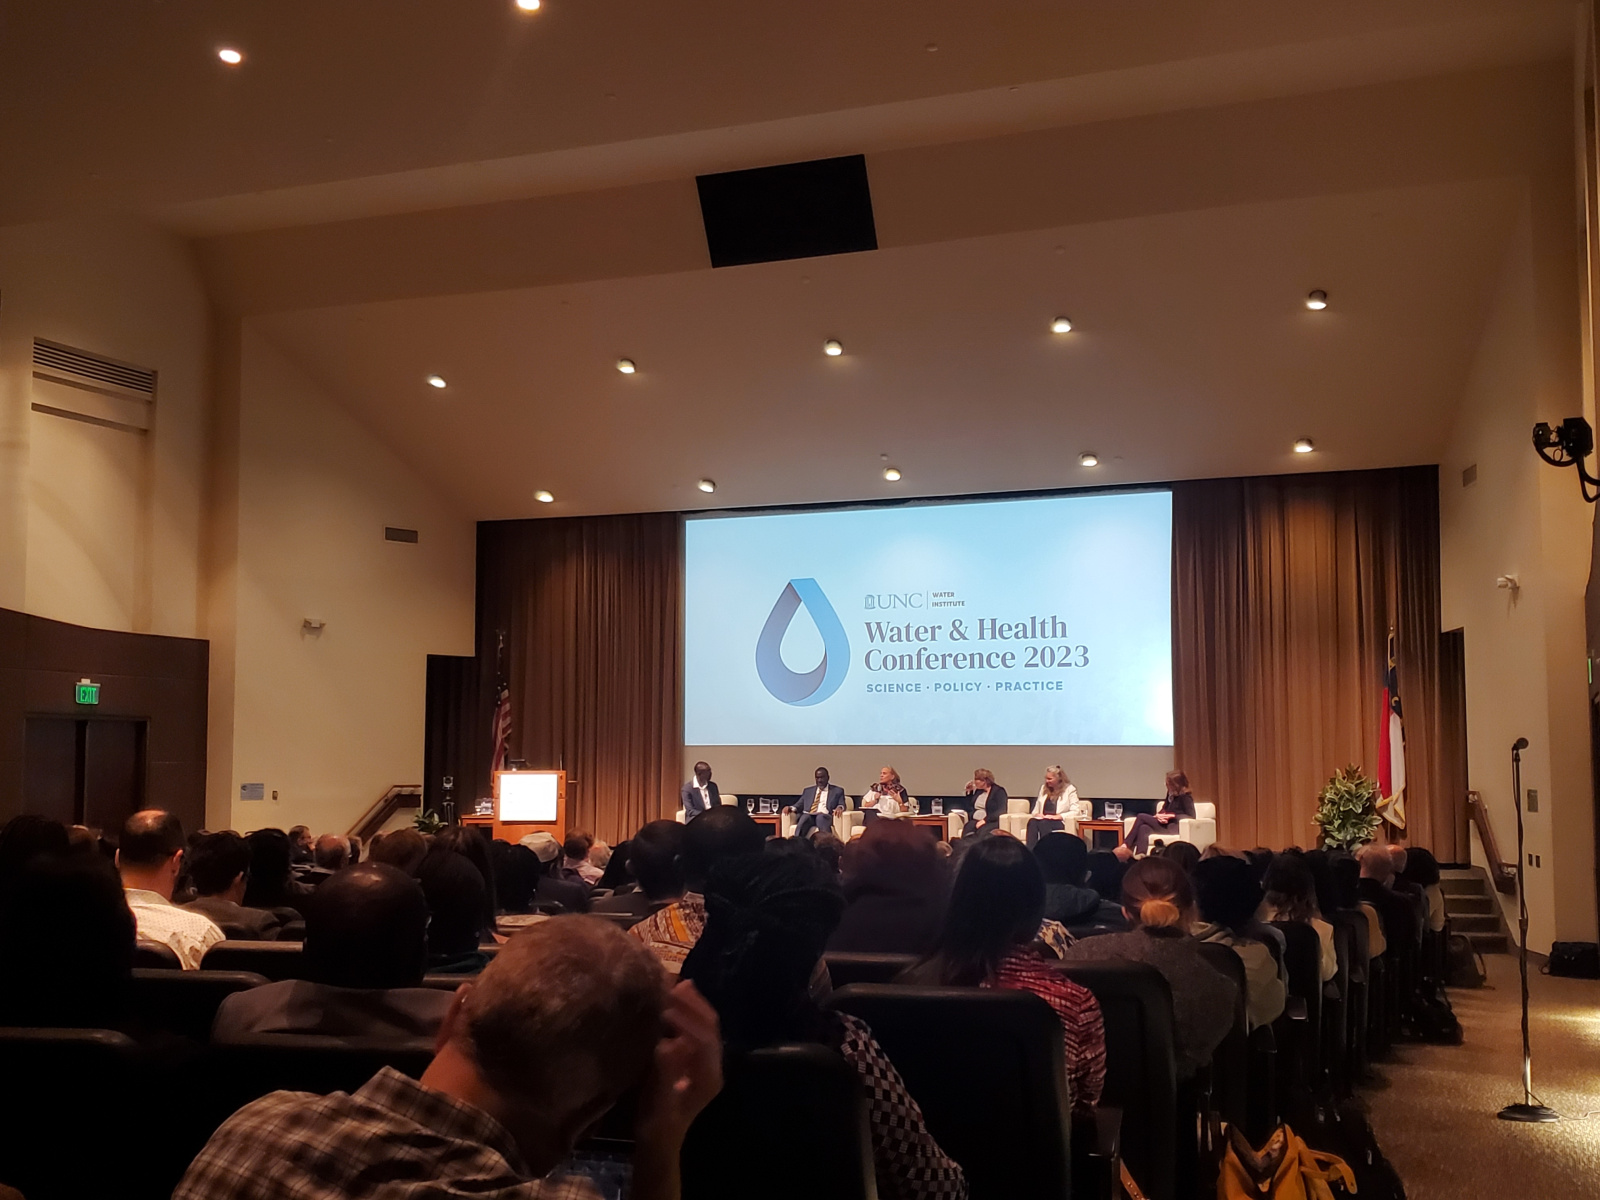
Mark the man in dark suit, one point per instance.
(219, 864)
(988, 801)
(818, 804)
(699, 794)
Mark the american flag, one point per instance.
(500, 728)
(1392, 749)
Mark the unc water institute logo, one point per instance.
(815, 685)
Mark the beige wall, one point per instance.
(100, 527)
(327, 721)
(1525, 650)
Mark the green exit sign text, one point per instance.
(88, 693)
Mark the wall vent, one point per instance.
(391, 534)
(78, 385)
(1469, 476)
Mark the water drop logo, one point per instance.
(816, 685)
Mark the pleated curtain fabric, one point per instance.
(1284, 590)
(591, 612)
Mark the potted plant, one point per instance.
(1347, 809)
(428, 822)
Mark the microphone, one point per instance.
(1520, 744)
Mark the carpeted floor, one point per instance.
(1435, 1119)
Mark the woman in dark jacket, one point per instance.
(1179, 803)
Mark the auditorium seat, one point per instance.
(185, 1002)
(275, 960)
(844, 824)
(789, 1124)
(986, 1068)
(847, 967)
(1302, 959)
(1354, 924)
(727, 798)
(1230, 1065)
(155, 956)
(620, 920)
(1141, 1065)
(1015, 819)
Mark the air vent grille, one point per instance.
(81, 366)
(392, 534)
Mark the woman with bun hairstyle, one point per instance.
(1159, 903)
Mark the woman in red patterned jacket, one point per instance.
(990, 940)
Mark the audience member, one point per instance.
(516, 875)
(365, 952)
(575, 862)
(474, 845)
(600, 858)
(616, 876)
(831, 848)
(1105, 875)
(1291, 895)
(1395, 914)
(404, 848)
(570, 1016)
(272, 883)
(655, 859)
(989, 939)
(1064, 859)
(355, 849)
(1185, 854)
(1422, 870)
(770, 918)
(300, 846)
(895, 886)
(219, 865)
(149, 856)
(1178, 804)
(456, 895)
(1228, 898)
(332, 853)
(26, 836)
(571, 894)
(722, 832)
(1159, 902)
(1346, 872)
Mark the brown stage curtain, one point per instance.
(1284, 591)
(590, 609)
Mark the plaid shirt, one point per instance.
(392, 1140)
(1083, 1029)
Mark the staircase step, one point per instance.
(1490, 943)
(1465, 885)
(1468, 904)
(1476, 923)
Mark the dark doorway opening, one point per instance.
(84, 771)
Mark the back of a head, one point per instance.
(1398, 856)
(1105, 875)
(456, 895)
(1291, 888)
(996, 904)
(1063, 857)
(368, 927)
(150, 837)
(1185, 854)
(577, 845)
(66, 942)
(655, 855)
(831, 850)
(27, 835)
(473, 844)
(404, 848)
(516, 875)
(894, 857)
(725, 831)
(1227, 892)
(216, 860)
(269, 867)
(1422, 868)
(1345, 871)
(1376, 862)
(1259, 859)
(768, 919)
(615, 873)
(1157, 894)
(571, 1005)
(332, 852)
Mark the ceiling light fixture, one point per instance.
(436, 381)
(230, 56)
(528, 5)
(1317, 301)
(1061, 325)
(1303, 446)
(833, 347)
(892, 474)
(707, 485)
(543, 497)
(625, 365)
(1088, 459)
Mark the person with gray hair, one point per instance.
(571, 1014)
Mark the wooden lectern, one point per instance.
(528, 801)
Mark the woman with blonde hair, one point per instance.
(1158, 901)
(1058, 804)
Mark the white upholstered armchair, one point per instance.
(1200, 829)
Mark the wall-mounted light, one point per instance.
(707, 485)
(1317, 300)
(543, 497)
(833, 347)
(1061, 325)
(1088, 459)
(626, 366)
(1304, 446)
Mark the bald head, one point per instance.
(1397, 856)
(150, 851)
(332, 852)
(368, 927)
(1376, 863)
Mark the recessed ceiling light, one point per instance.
(625, 365)
(230, 56)
(436, 381)
(528, 5)
(1088, 459)
(707, 485)
(833, 347)
(1061, 325)
(543, 497)
(892, 474)
(1317, 301)
(1303, 446)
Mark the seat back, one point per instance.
(275, 960)
(1302, 960)
(1204, 810)
(1141, 1064)
(847, 967)
(1230, 1065)
(1018, 808)
(155, 956)
(968, 1050)
(789, 1124)
(185, 1002)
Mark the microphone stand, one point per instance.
(1527, 1111)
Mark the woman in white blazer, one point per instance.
(1059, 807)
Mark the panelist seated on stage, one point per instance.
(887, 797)
(699, 794)
(989, 801)
(818, 805)
(1058, 808)
(1179, 803)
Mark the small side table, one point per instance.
(1090, 831)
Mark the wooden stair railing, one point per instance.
(401, 795)
(1502, 873)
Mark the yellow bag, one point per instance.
(1285, 1169)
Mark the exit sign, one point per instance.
(88, 693)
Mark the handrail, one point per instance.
(401, 795)
(1502, 873)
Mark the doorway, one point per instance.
(84, 771)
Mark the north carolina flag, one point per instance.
(1392, 750)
